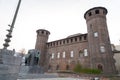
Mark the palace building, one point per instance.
(91, 50)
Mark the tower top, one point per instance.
(43, 31)
(95, 10)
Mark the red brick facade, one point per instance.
(91, 50)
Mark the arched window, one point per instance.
(64, 54)
(89, 14)
(96, 11)
(71, 54)
(42, 32)
(71, 40)
(80, 38)
(52, 55)
(85, 52)
(58, 55)
(95, 34)
(81, 53)
(102, 49)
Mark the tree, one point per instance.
(22, 52)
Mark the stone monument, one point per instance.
(9, 64)
(31, 63)
(9, 68)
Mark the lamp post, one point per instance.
(9, 35)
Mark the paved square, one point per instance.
(55, 79)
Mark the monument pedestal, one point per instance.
(31, 69)
(9, 66)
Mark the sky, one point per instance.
(61, 17)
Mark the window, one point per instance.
(58, 55)
(97, 12)
(50, 44)
(53, 43)
(81, 53)
(90, 26)
(85, 52)
(89, 13)
(56, 43)
(60, 42)
(52, 55)
(80, 38)
(42, 32)
(95, 34)
(46, 33)
(75, 39)
(71, 54)
(63, 41)
(67, 41)
(64, 54)
(71, 40)
(102, 49)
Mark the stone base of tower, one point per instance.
(105, 65)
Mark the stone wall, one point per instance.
(75, 44)
(10, 66)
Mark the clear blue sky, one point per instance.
(61, 17)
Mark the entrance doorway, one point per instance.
(100, 67)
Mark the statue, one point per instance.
(36, 58)
(32, 58)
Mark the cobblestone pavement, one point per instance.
(55, 79)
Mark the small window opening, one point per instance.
(67, 41)
(64, 54)
(97, 12)
(63, 42)
(60, 42)
(80, 38)
(85, 37)
(56, 43)
(75, 39)
(95, 34)
(71, 40)
(89, 13)
(42, 32)
(102, 49)
(104, 12)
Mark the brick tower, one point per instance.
(42, 38)
(101, 56)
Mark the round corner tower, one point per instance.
(42, 39)
(101, 55)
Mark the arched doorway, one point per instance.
(100, 67)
